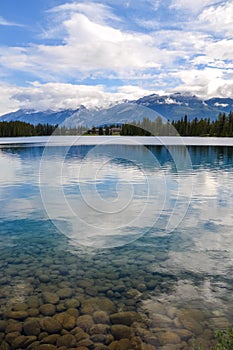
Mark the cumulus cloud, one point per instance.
(87, 40)
(92, 47)
(57, 96)
(207, 83)
(88, 47)
(8, 104)
(222, 50)
(218, 19)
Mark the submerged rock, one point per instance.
(100, 329)
(17, 315)
(31, 327)
(79, 334)
(65, 293)
(3, 325)
(72, 303)
(123, 344)
(44, 278)
(191, 320)
(101, 317)
(90, 305)
(184, 334)
(20, 307)
(10, 337)
(68, 341)
(4, 346)
(46, 347)
(99, 346)
(67, 321)
(161, 321)
(73, 312)
(121, 331)
(50, 339)
(50, 325)
(220, 322)
(126, 318)
(33, 312)
(50, 298)
(85, 322)
(23, 342)
(13, 326)
(85, 342)
(168, 337)
(33, 302)
(134, 294)
(47, 309)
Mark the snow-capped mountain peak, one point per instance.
(171, 106)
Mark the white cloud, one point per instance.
(176, 44)
(6, 102)
(206, 83)
(92, 42)
(218, 19)
(94, 11)
(193, 6)
(216, 54)
(91, 46)
(4, 22)
(88, 46)
(222, 50)
(57, 96)
(98, 13)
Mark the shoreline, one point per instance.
(117, 140)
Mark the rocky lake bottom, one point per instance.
(51, 298)
(160, 291)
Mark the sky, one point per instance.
(59, 54)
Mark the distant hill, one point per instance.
(35, 117)
(172, 107)
(120, 113)
(177, 105)
(224, 104)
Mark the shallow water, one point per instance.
(146, 230)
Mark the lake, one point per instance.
(115, 246)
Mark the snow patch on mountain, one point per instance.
(170, 107)
(221, 104)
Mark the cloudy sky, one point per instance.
(62, 53)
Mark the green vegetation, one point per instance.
(18, 128)
(12, 129)
(225, 340)
(62, 130)
(223, 126)
(113, 129)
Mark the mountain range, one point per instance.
(170, 107)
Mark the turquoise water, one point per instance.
(142, 230)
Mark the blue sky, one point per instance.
(62, 53)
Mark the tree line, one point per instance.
(221, 127)
(18, 128)
(112, 129)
